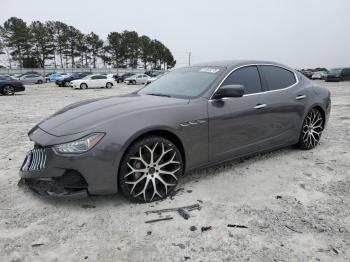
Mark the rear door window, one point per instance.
(247, 76)
(277, 77)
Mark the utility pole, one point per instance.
(189, 58)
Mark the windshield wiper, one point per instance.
(156, 94)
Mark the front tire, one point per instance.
(8, 90)
(39, 82)
(83, 86)
(311, 130)
(109, 85)
(150, 169)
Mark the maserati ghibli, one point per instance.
(142, 143)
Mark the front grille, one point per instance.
(35, 160)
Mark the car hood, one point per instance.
(88, 114)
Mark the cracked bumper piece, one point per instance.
(53, 188)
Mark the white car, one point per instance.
(319, 75)
(137, 79)
(91, 81)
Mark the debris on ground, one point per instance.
(149, 233)
(205, 228)
(290, 228)
(182, 246)
(186, 258)
(237, 226)
(193, 228)
(188, 208)
(37, 244)
(88, 206)
(175, 192)
(158, 219)
(184, 213)
(278, 197)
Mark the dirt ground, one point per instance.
(295, 204)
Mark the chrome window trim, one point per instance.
(263, 92)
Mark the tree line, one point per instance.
(64, 45)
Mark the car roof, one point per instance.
(229, 64)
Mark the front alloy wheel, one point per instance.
(150, 170)
(312, 130)
(8, 90)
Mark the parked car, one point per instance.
(66, 81)
(155, 73)
(137, 79)
(32, 79)
(8, 85)
(152, 79)
(338, 74)
(57, 76)
(120, 79)
(91, 81)
(307, 73)
(29, 73)
(321, 75)
(142, 143)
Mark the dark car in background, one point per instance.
(120, 79)
(8, 85)
(338, 74)
(66, 81)
(142, 143)
(307, 73)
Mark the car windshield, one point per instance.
(189, 82)
(335, 71)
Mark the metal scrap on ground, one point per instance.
(188, 208)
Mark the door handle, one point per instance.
(259, 106)
(299, 97)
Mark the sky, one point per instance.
(298, 33)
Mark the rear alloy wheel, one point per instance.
(66, 84)
(312, 130)
(133, 82)
(83, 86)
(8, 90)
(150, 170)
(109, 85)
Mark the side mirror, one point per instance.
(229, 91)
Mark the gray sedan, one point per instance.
(141, 144)
(32, 79)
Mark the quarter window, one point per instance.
(247, 76)
(277, 77)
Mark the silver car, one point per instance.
(137, 79)
(32, 79)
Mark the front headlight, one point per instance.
(79, 146)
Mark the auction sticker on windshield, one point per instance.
(209, 70)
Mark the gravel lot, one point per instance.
(295, 204)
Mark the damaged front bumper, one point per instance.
(49, 181)
(49, 173)
(52, 188)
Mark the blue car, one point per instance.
(56, 76)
